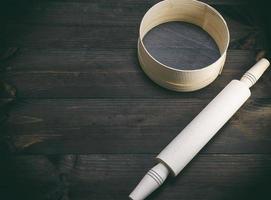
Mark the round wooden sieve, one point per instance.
(191, 11)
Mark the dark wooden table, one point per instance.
(80, 120)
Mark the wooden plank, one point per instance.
(102, 12)
(87, 60)
(212, 177)
(51, 73)
(87, 37)
(115, 84)
(68, 22)
(128, 126)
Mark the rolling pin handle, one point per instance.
(150, 182)
(255, 72)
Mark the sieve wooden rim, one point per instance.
(194, 12)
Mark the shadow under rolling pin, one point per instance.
(181, 150)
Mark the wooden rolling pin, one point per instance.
(181, 150)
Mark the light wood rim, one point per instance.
(191, 11)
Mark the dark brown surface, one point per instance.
(80, 120)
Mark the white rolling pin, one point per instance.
(181, 150)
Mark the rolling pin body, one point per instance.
(180, 151)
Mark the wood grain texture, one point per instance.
(83, 13)
(95, 24)
(89, 74)
(208, 177)
(87, 37)
(128, 126)
(87, 60)
(85, 122)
